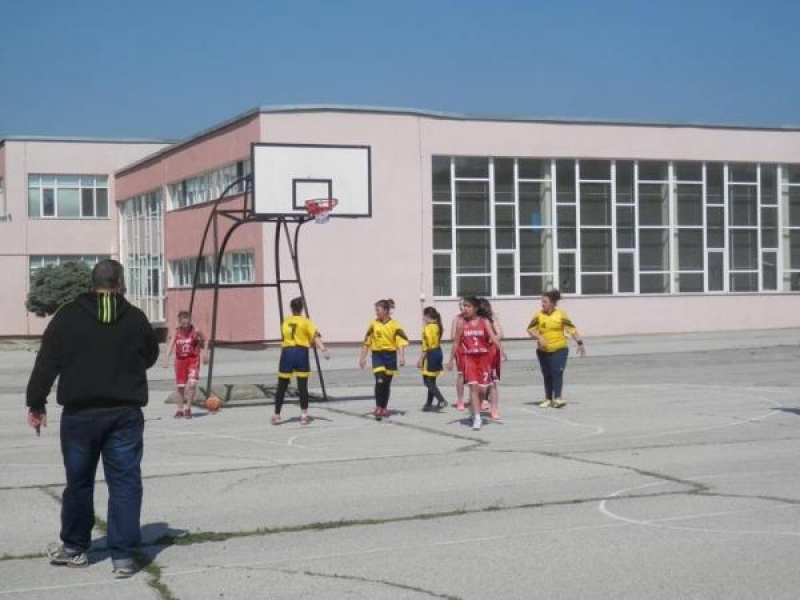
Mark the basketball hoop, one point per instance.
(320, 209)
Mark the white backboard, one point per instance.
(286, 175)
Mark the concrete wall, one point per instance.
(21, 237)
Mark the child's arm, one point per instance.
(321, 347)
(169, 353)
(454, 348)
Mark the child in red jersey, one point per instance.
(476, 340)
(188, 344)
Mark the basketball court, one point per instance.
(672, 473)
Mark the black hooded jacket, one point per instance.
(100, 347)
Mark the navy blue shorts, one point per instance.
(434, 363)
(294, 361)
(384, 361)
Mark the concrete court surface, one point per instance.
(674, 472)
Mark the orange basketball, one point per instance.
(213, 404)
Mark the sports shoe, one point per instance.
(178, 414)
(124, 569)
(485, 405)
(427, 408)
(545, 403)
(61, 556)
(559, 403)
(276, 420)
(441, 404)
(304, 420)
(378, 413)
(460, 405)
(476, 422)
(187, 414)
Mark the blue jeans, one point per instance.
(116, 434)
(553, 365)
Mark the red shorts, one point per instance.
(187, 370)
(478, 369)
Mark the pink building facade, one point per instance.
(56, 204)
(644, 228)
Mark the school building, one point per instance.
(56, 205)
(644, 228)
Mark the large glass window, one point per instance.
(208, 186)
(37, 261)
(67, 196)
(236, 267)
(518, 226)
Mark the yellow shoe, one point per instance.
(559, 403)
(545, 403)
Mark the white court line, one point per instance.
(598, 429)
(657, 523)
(291, 440)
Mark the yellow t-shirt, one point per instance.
(385, 336)
(552, 327)
(298, 331)
(431, 337)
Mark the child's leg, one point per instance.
(387, 390)
(280, 394)
(302, 387)
(179, 399)
(494, 400)
(434, 391)
(429, 399)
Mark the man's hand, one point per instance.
(37, 420)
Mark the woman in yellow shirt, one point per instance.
(549, 327)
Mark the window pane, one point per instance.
(690, 250)
(34, 202)
(565, 181)
(744, 249)
(742, 172)
(625, 273)
(653, 283)
(534, 285)
(534, 204)
(87, 202)
(794, 249)
(442, 215)
(442, 239)
(769, 227)
(504, 180)
(624, 182)
(653, 250)
(653, 204)
(595, 170)
(472, 203)
(690, 282)
(715, 273)
(689, 171)
(533, 168)
(473, 252)
(472, 166)
(102, 202)
(441, 275)
(626, 237)
(596, 284)
(48, 202)
(69, 203)
(769, 262)
(690, 204)
(67, 180)
(505, 231)
(506, 280)
(769, 189)
(504, 216)
(442, 227)
(534, 255)
(715, 186)
(595, 250)
(566, 273)
(566, 227)
(794, 207)
(595, 204)
(441, 179)
(715, 227)
(653, 171)
(744, 205)
(474, 286)
(744, 282)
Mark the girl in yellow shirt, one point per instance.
(432, 359)
(386, 340)
(549, 327)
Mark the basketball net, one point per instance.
(320, 209)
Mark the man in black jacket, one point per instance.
(100, 347)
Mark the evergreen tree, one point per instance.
(55, 285)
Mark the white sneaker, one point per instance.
(476, 422)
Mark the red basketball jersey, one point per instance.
(187, 343)
(475, 336)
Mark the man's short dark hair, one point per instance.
(107, 274)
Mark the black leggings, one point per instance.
(383, 388)
(433, 390)
(283, 385)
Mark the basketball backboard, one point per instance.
(286, 175)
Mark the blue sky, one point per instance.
(170, 68)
